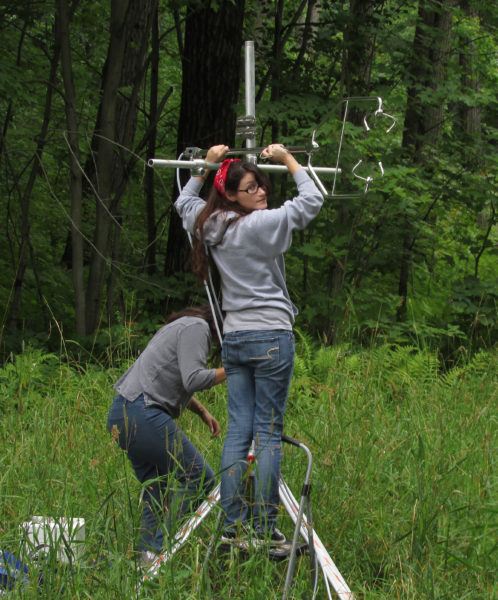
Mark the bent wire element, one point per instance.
(368, 180)
(378, 113)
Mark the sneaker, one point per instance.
(275, 537)
(245, 538)
(235, 538)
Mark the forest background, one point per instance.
(90, 90)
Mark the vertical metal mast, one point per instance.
(250, 97)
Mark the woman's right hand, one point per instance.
(216, 153)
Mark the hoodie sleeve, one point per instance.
(189, 204)
(192, 351)
(274, 227)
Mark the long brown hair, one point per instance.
(217, 201)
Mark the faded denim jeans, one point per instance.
(172, 471)
(259, 367)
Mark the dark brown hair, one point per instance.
(203, 311)
(217, 201)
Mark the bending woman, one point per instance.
(151, 395)
(247, 242)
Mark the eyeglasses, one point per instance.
(253, 188)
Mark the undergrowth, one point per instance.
(403, 481)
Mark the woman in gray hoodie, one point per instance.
(247, 242)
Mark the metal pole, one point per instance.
(250, 95)
(305, 496)
(199, 163)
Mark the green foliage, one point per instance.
(402, 427)
(344, 271)
(403, 482)
(24, 378)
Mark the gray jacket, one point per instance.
(248, 252)
(172, 367)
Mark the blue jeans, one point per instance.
(259, 368)
(159, 451)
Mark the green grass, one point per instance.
(404, 486)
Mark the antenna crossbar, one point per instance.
(202, 164)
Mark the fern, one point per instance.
(482, 363)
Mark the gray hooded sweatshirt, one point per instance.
(249, 253)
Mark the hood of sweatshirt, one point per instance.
(217, 224)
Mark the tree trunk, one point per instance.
(423, 118)
(469, 115)
(276, 67)
(210, 85)
(150, 254)
(424, 111)
(75, 183)
(25, 196)
(359, 47)
(358, 56)
(8, 112)
(116, 124)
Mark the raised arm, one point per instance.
(215, 154)
(189, 204)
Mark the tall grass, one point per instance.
(404, 485)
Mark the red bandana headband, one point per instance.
(221, 174)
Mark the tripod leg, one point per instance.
(209, 550)
(292, 557)
(330, 571)
(183, 535)
(307, 523)
(312, 553)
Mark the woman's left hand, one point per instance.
(277, 152)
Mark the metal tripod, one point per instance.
(319, 557)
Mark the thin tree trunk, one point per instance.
(150, 254)
(424, 115)
(484, 243)
(269, 75)
(359, 46)
(358, 56)
(115, 131)
(25, 197)
(112, 278)
(423, 118)
(469, 116)
(8, 113)
(75, 184)
(306, 36)
(276, 66)
(104, 161)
